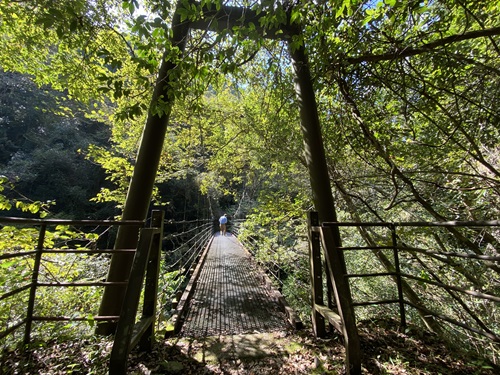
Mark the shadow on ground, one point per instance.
(166, 359)
(388, 351)
(385, 351)
(242, 354)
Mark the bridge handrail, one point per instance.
(195, 249)
(33, 221)
(194, 229)
(470, 224)
(172, 221)
(38, 252)
(146, 265)
(398, 275)
(196, 245)
(271, 267)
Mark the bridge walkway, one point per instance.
(230, 296)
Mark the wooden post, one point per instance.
(122, 344)
(338, 272)
(34, 284)
(399, 283)
(329, 293)
(151, 284)
(318, 321)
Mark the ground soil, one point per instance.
(386, 350)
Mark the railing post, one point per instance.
(318, 321)
(151, 284)
(398, 275)
(124, 331)
(34, 284)
(337, 273)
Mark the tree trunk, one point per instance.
(314, 154)
(314, 151)
(142, 183)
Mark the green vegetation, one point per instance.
(407, 95)
(43, 137)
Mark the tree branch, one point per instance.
(428, 47)
(228, 17)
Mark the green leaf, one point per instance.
(295, 16)
(73, 25)
(7, 264)
(56, 13)
(184, 13)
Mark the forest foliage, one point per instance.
(407, 94)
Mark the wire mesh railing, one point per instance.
(278, 260)
(183, 243)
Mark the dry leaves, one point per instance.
(385, 351)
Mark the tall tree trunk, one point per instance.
(314, 151)
(142, 183)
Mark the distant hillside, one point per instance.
(41, 132)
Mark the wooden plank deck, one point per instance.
(230, 296)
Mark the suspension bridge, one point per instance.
(205, 284)
(230, 296)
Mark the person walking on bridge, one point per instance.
(223, 222)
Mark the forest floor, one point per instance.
(385, 351)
